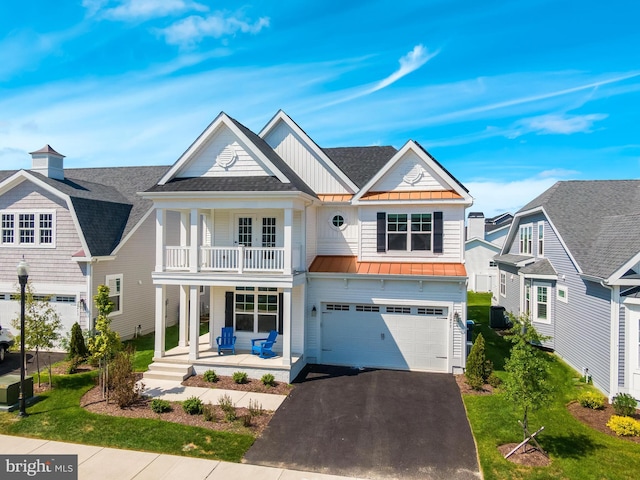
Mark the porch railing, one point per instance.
(232, 259)
(177, 258)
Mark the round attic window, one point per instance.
(337, 221)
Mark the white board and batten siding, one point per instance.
(306, 163)
(224, 156)
(403, 337)
(453, 221)
(410, 173)
(337, 241)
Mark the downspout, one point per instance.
(614, 340)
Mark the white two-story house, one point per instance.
(354, 255)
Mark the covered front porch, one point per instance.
(284, 370)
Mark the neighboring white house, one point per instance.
(571, 262)
(355, 255)
(485, 237)
(77, 229)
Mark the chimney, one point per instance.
(48, 162)
(475, 225)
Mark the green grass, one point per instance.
(58, 416)
(144, 346)
(576, 451)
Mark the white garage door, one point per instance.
(385, 336)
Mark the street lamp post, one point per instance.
(23, 276)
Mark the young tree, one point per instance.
(42, 325)
(526, 385)
(105, 343)
(77, 346)
(478, 368)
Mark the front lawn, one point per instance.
(576, 451)
(58, 416)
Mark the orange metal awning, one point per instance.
(349, 264)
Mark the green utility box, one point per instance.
(10, 389)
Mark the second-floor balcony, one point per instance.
(238, 259)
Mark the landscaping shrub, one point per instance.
(255, 408)
(160, 406)
(122, 379)
(246, 420)
(478, 368)
(494, 380)
(268, 380)
(74, 363)
(592, 400)
(624, 426)
(240, 377)
(77, 346)
(193, 406)
(209, 413)
(624, 404)
(226, 405)
(210, 376)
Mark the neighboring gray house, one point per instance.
(571, 261)
(484, 240)
(77, 229)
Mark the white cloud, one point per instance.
(493, 198)
(128, 10)
(410, 62)
(194, 28)
(562, 124)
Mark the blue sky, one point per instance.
(510, 96)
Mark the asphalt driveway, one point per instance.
(371, 424)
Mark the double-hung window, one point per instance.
(541, 239)
(114, 282)
(256, 311)
(24, 228)
(542, 304)
(409, 232)
(526, 234)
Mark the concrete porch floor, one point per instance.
(227, 362)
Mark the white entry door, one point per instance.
(385, 336)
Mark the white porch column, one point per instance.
(194, 322)
(158, 350)
(183, 327)
(286, 326)
(193, 241)
(212, 334)
(161, 239)
(288, 240)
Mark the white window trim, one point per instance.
(521, 242)
(540, 241)
(16, 228)
(344, 218)
(564, 289)
(409, 232)
(107, 280)
(503, 276)
(535, 302)
(256, 311)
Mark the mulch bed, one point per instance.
(93, 402)
(227, 383)
(597, 419)
(528, 456)
(465, 389)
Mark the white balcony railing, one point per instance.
(232, 259)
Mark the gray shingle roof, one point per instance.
(105, 200)
(541, 267)
(360, 164)
(512, 259)
(598, 221)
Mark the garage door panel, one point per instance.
(386, 340)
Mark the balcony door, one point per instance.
(246, 225)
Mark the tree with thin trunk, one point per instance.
(42, 325)
(106, 342)
(526, 386)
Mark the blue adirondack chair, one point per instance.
(264, 345)
(226, 340)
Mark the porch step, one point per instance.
(168, 371)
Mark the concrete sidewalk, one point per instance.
(175, 392)
(100, 463)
